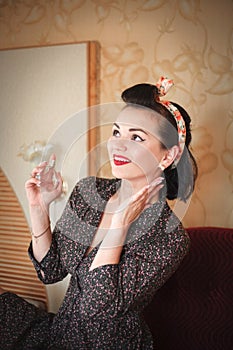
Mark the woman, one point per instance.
(117, 238)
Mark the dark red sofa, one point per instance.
(194, 309)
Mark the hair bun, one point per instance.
(141, 94)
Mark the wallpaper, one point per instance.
(189, 41)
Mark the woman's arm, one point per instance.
(39, 200)
(110, 249)
(66, 244)
(144, 267)
(41, 232)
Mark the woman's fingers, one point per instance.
(146, 196)
(148, 189)
(42, 166)
(32, 182)
(151, 198)
(131, 209)
(155, 183)
(45, 184)
(59, 180)
(38, 169)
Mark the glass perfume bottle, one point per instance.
(48, 178)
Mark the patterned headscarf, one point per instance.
(163, 85)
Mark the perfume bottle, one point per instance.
(48, 178)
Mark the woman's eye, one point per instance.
(116, 133)
(137, 138)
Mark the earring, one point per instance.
(160, 166)
(173, 166)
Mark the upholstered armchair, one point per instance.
(194, 309)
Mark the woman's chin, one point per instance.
(120, 172)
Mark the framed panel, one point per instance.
(41, 88)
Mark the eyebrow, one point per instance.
(132, 129)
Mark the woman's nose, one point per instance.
(120, 145)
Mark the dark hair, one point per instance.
(180, 180)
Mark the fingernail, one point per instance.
(38, 176)
(43, 163)
(160, 178)
(157, 181)
(52, 163)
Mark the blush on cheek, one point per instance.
(145, 158)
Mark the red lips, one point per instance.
(120, 160)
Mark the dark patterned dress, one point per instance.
(102, 309)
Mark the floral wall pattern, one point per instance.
(190, 41)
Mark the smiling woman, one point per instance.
(138, 147)
(117, 238)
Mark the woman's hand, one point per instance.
(129, 212)
(44, 186)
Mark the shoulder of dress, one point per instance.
(95, 188)
(159, 224)
(96, 181)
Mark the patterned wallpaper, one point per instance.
(190, 41)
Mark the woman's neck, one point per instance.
(128, 189)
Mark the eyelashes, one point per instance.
(116, 133)
(137, 138)
(134, 137)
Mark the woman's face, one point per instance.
(134, 148)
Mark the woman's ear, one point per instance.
(169, 157)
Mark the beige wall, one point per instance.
(187, 40)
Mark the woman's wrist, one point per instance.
(38, 235)
(119, 220)
(39, 211)
(39, 220)
(115, 237)
(39, 208)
